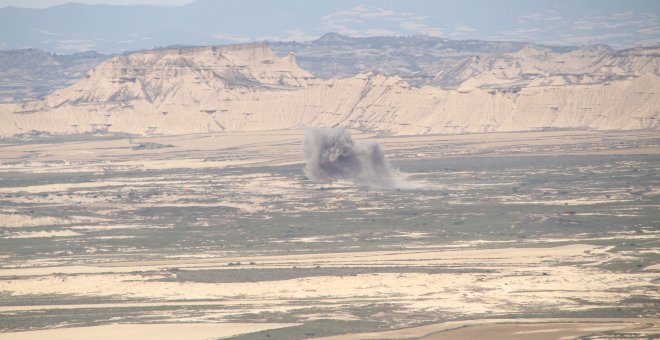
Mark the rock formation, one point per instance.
(248, 88)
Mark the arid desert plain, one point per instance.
(539, 235)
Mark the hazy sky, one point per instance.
(619, 23)
(49, 3)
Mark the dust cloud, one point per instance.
(332, 154)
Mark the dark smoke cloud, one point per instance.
(331, 154)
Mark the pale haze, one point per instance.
(51, 3)
(75, 28)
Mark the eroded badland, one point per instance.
(163, 196)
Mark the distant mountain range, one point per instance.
(447, 64)
(335, 55)
(463, 87)
(30, 74)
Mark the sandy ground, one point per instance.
(519, 276)
(549, 331)
(476, 258)
(653, 267)
(473, 279)
(512, 329)
(284, 147)
(172, 331)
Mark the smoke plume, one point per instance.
(331, 154)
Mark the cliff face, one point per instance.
(247, 87)
(183, 76)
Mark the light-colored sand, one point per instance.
(510, 329)
(519, 277)
(541, 331)
(237, 303)
(653, 267)
(172, 331)
(475, 258)
(9, 219)
(284, 147)
(40, 234)
(20, 220)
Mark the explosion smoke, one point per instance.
(331, 154)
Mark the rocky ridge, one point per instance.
(423, 60)
(248, 88)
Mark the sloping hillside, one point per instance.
(246, 87)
